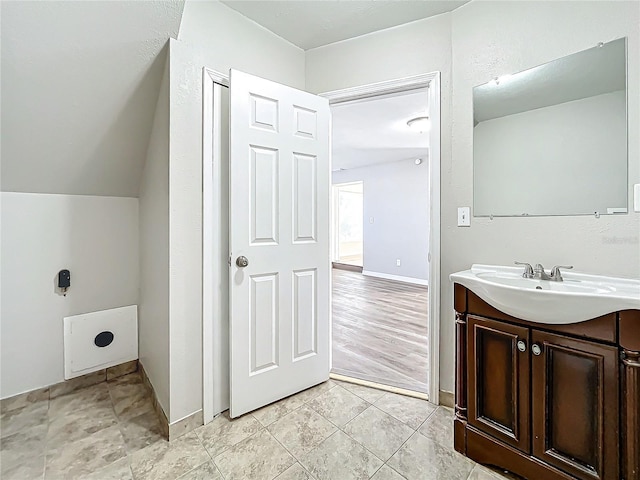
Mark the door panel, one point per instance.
(264, 209)
(305, 201)
(305, 317)
(264, 322)
(279, 221)
(575, 398)
(498, 383)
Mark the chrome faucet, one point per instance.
(556, 276)
(539, 273)
(528, 269)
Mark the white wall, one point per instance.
(217, 37)
(415, 48)
(397, 196)
(480, 41)
(96, 238)
(79, 86)
(565, 149)
(153, 313)
(493, 38)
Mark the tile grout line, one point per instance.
(369, 405)
(306, 403)
(297, 460)
(318, 446)
(415, 432)
(341, 429)
(295, 409)
(384, 462)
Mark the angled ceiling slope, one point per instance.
(80, 81)
(314, 23)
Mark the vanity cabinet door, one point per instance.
(575, 405)
(498, 383)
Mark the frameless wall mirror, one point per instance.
(552, 140)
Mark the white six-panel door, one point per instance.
(279, 221)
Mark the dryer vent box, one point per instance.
(97, 340)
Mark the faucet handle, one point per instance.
(528, 270)
(555, 272)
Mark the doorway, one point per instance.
(347, 225)
(380, 297)
(215, 255)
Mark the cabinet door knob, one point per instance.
(536, 349)
(522, 345)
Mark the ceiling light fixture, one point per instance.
(420, 124)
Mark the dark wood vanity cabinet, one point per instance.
(548, 401)
(574, 398)
(498, 380)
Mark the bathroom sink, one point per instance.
(578, 298)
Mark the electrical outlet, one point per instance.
(397, 262)
(464, 214)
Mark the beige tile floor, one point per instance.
(333, 431)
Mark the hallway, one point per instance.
(380, 330)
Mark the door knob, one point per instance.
(536, 349)
(242, 261)
(522, 346)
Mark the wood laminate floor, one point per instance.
(380, 330)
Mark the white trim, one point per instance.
(335, 256)
(207, 254)
(432, 81)
(211, 301)
(217, 77)
(379, 386)
(380, 88)
(435, 161)
(397, 278)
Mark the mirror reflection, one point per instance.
(552, 140)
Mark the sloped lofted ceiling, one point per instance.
(80, 81)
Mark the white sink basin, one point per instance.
(578, 298)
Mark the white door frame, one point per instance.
(432, 82)
(212, 311)
(211, 156)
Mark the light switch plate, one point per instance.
(636, 197)
(464, 214)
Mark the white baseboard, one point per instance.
(397, 278)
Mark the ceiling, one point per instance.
(313, 23)
(80, 81)
(585, 74)
(375, 131)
